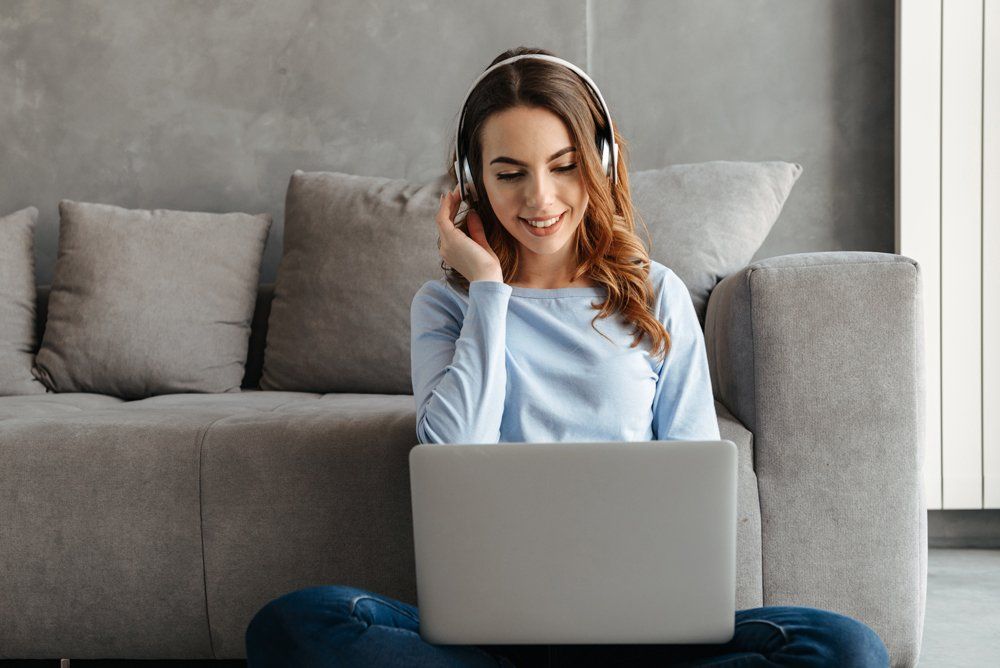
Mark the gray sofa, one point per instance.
(155, 528)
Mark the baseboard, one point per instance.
(964, 528)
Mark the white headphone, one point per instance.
(607, 147)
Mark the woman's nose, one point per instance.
(540, 192)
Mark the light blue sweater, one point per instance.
(512, 364)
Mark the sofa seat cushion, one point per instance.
(101, 549)
(53, 404)
(749, 569)
(295, 489)
(314, 492)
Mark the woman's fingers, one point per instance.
(454, 201)
(449, 205)
(475, 227)
(442, 218)
(446, 216)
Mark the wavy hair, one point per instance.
(608, 250)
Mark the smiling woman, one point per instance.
(501, 351)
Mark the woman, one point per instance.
(504, 349)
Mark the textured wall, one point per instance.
(211, 105)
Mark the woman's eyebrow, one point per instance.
(512, 161)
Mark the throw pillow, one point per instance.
(17, 303)
(706, 220)
(356, 250)
(147, 302)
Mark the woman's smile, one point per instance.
(544, 231)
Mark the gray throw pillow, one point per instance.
(357, 248)
(706, 220)
(17, 303)
(147, 302)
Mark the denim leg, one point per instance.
(788, 635)
(768, 636)
(343, 626)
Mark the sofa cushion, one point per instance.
(706, 220)
(102, 544)
(53, 404)
(296, 489)
(357, 248)
(749, 570)
(148, 302)
(316, 492)
(17, 303)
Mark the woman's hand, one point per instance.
(470, 255)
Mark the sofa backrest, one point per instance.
(258, 330)
(704, 221)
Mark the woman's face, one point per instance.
(529, 174)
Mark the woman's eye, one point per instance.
(515, 175)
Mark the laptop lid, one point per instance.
(552, 543)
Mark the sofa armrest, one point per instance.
(820, 355)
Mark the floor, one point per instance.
(961, 625)
(962, 621)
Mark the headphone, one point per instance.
(607, 147)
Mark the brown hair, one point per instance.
(610, 252)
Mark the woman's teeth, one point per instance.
(544, 223)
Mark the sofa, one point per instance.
(155, 527)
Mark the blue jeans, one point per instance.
(337, 625)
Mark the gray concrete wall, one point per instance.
(211, 105)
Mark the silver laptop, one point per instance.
(575, 543)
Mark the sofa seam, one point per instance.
(201, 530)
(908, 260)
(921, 459)
(274, 409)
(756, 419)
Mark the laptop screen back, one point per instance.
(618, 542)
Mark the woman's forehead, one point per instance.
(535, 134)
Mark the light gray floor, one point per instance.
(962, 622)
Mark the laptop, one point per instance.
(551, 543)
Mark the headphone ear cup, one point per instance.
(605, 153)
(470, 185)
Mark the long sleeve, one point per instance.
(683, 404)
(458, 363)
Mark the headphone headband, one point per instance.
(607, 146)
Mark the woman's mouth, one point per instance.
(544, 231)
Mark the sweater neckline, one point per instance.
(551, 293)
